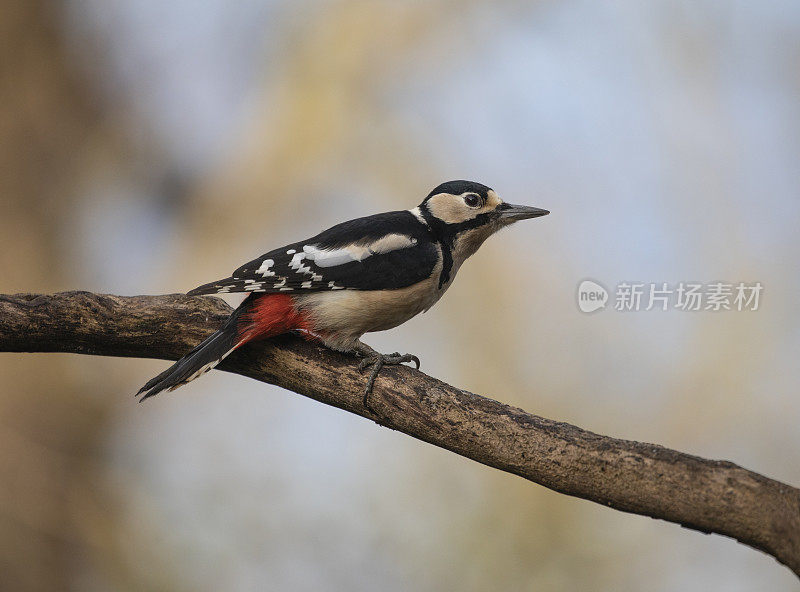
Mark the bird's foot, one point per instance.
(378, 361)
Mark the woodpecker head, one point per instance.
(463, 214)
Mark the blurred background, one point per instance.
(148, 147)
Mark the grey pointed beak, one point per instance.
(511, 212)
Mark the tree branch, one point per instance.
(706, 495)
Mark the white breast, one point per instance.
(342, 317)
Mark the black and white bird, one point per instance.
(368, 274)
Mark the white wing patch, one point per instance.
(334, 257)
(351, 253)
(297, 264)
(304, 269)
(265, 268)
(392, 242)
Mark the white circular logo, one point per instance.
(591, 296)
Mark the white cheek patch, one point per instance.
(451, 209)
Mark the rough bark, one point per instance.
(706, 495)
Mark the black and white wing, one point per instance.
(380, 252)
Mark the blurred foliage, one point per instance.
(51, 513)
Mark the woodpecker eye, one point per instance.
(472, 200)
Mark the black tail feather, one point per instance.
(199, 360)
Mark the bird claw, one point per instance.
(378, 361)
(365, 363)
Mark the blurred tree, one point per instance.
(51, 508)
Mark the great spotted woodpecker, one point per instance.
(368, 274)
